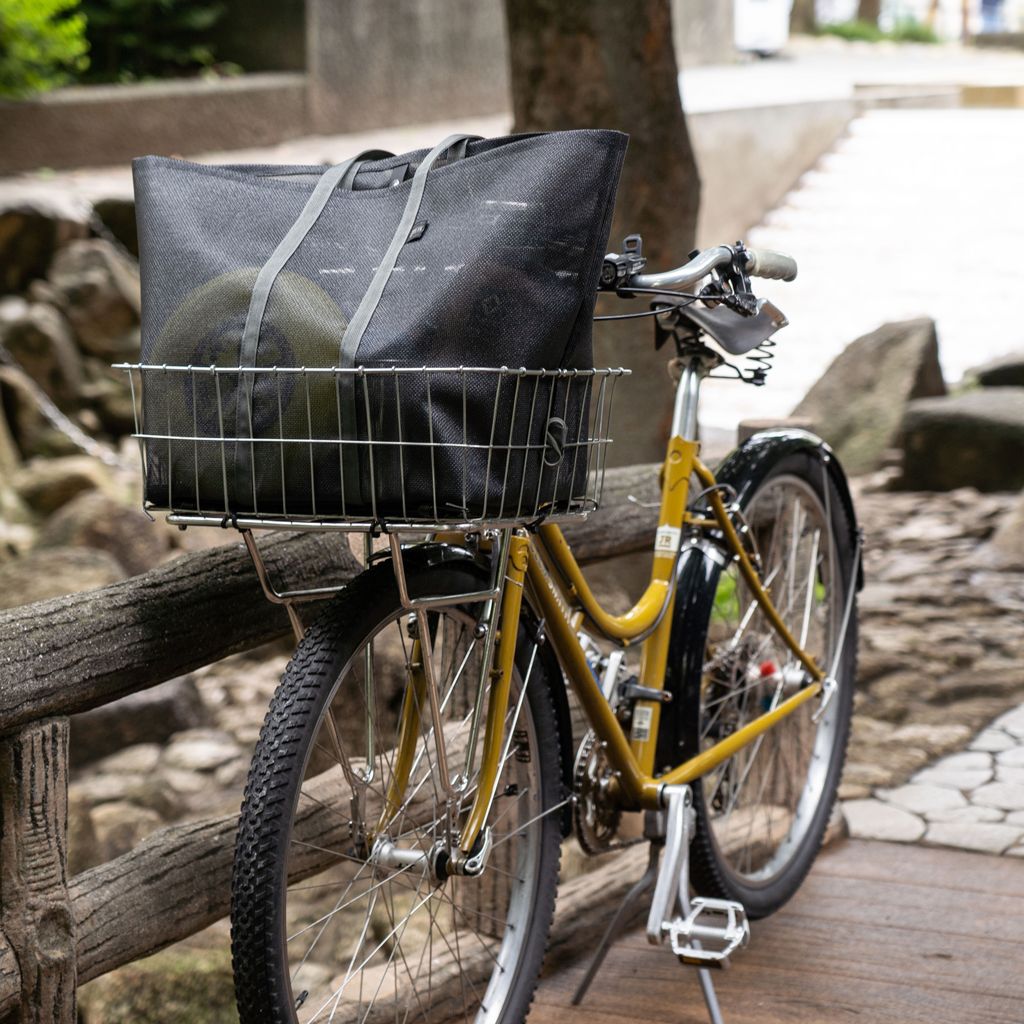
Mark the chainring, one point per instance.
(595, 817)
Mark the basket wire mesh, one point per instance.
(364, 448)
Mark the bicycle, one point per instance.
(399, 842)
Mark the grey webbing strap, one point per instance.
(368, 306)
(339, 176)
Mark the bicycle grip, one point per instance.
(775, 266)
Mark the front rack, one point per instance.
(368, 449)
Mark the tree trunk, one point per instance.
(605, 64)
(802, 18)
(869, 10)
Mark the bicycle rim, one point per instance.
(762, 802)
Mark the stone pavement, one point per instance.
(973, 799)
(937, 749)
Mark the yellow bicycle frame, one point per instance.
(555, 582)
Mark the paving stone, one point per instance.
(1011, 758)
(984, 837)
(964, 780)
(1012, 722)
(874, 819)
(966, 760)
(993, 741)
(922, 798)
(1009, 796)
(969, 813)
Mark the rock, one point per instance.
(974, 439)
(1006, 549)
(993, 741)
(1016, 818)
(176, 986)
(1007, 796)
(962, 814)
(40, 340)
(82, 848)
(935, 739)
(1015, 775)
(46, 484)
(31, 431)
(98, 289)
(984, 837)
(118, 216)
(922, 798)
(138, 759)
(873, 819)
(29, 236)
(1006, 371)
(954, 779)
(1012, 722)
(858, 403)
(92, 520)
(200, 750)
(1011, 758)
(151, 716)
(39, 575)
(1016, 851)
(121, 826)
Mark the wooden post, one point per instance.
(35, 910)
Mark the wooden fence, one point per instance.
(70, 654)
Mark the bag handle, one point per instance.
(371, 299)
(339, 176)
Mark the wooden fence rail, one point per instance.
(70, 654)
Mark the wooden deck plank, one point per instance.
(880, 933)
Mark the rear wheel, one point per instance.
(341, 912)
(762, 814)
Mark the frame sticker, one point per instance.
(666, 541)
(642, 723)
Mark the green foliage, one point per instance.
(855, 31)
(42, 42)
(906, 30)
(727, 600)
(139, 39)
(910, 31)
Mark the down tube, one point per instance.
(574, 663)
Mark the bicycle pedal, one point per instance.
(710, 933)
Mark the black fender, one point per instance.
(745, 470)
(530, 632)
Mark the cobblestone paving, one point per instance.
(937, 751)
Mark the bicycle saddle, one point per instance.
(735, 333)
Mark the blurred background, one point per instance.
(878, 141)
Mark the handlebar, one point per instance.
(764, 263)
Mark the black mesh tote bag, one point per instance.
(288, 310)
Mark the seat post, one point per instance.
(684, 413)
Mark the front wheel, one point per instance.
(343, 909)
(761, 815)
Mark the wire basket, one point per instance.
(366, 448)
